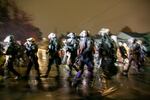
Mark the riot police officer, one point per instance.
(107, 56)
(31, 49)
(134, 56)
(11, 52)
(70, 52)
(85, 55)
(53, 51)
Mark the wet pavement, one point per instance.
(133, 87)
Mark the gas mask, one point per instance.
(83, 38)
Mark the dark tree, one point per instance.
(126, 29)
(15, 21)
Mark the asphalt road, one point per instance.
(133, 87)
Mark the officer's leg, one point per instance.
(28, 68)
(125, 71)
(70, 66)
(75, 67)
(73, 64)
(58, 62)
(138, 63)
(104, 83)
(58, 71)
(6, 69)
(77, 79)
(105, 89)
(90, 66)
(11, 68)
(49, 66)
(70, 71)
(130, 62)
(37, 67)
(80, 72)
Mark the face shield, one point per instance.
(120, 43)
(83, 35)
(71, 35)
(30, 41)
(83, 38)
(131, 40)
(52, 36)
(9, 39)
(104, 32)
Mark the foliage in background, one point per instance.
(17, 22)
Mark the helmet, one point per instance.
(84, 33)
(104, 31)
(139, 41)
(71, 35)
(52, 35)
(31, 39)
(120, 43)
(64, 41)
(131, 40)
(114, 38)
(9, 38)
(125, 44)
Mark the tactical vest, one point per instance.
(72, 45)
(87, 51)
(31, 50)
(135, 49)
(12, 49)
(106, 48)
(53, 47)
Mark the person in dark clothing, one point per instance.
(143, 54)
(31, 49)
(53, 51)
(134, 56)
(70, 52)
(122, 50)
(85, 54)
(11, 52)
(107, 54)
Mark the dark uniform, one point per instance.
(85, 58)
(107, 54)
(134, 56)
(71, 49)
(53, 49)
(11, 55)
(31, 51)
(123, 52)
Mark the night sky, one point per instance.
(75, 15)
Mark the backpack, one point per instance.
(123, 51)
(135, 49)
(106, 47)
(107, 52)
